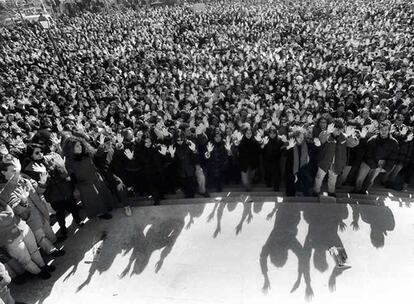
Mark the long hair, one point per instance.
(69, 145)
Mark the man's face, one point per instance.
(12, 172)
(384, 131)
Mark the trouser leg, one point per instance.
(372, 175)
(344, 175)
(22, 250)
(362, 174)
(201, 179)
(245, 180)
(44, 243)
(320, 175)
(332, 177)
(5, 296)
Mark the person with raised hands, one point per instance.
(105, 162)
(27, 201)
(15, 234)
(272, 153)
(60, 192)
(97, 199)
(217, 157)
(297, 164)
(153, 159)
(332, 155)
(248, 153)
(185, 158)
(381, 153)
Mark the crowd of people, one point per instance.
(150, 101)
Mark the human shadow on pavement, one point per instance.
(156, 233)
(322, 235)
(380, 218)
(283, 238)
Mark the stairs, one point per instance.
(260, 193)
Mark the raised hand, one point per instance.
(39, 168)
(210, 147)
(228, 146)
(265, 141)
(291, 144)
(410, 137)
(283, 138)
(350, 131)
(331, 128)
(191, 145)
(404, 131)
(163, 150)
(22, 194)
(101, 139)
(59, 125)
(55, 139)
(171, 150)
(258, 137)
(364, 132)
(58, 160)
(119, 138)
(129, 154)
(317, 142)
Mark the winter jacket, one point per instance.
(218, 160)
(58, 187)
(185, 160)
(381, 149)
(10, 225)
(34, 211)
(272, 152)
(333, 152)
(249, 152)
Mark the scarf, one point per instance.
(304, 157)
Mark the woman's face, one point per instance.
(37, 154)
(300, 139)
(248, 134)
(77, 148)
(323, 124)
(147, 143)
(217, 138)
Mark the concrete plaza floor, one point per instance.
(259, 252)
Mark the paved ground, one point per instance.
(221, 253)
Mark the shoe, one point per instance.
(314, 194)
(105, 216)
(205, 194)
(57, 253)
(331, 194)
(49, 268)
(44, 275)
(128, 211)
(81, 224)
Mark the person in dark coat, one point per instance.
(332, 155)
(272, 152)
(248, 156)
(104, 160)
(380, 156)
(217, 160)
(152, 162)
(59, 192)
(96, 198)
(186, 158)
(298, 176)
